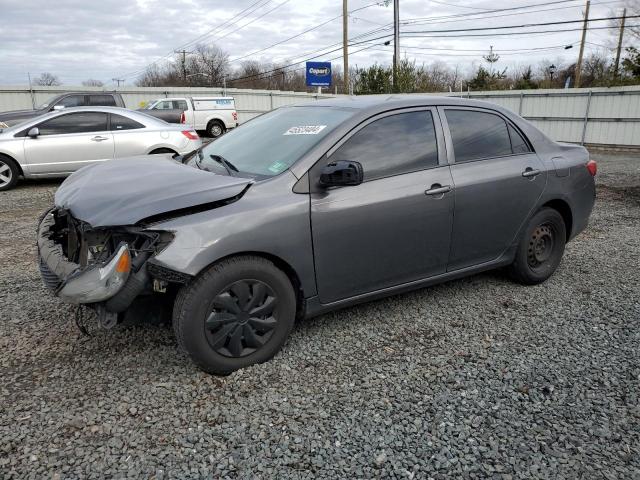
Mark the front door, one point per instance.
(498, 180)
(395, 227)
(68, 142)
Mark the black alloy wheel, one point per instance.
(241, 318)
(237, 313)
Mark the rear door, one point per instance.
(498, 181)
(388, 230)
(68, 142)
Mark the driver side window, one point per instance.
(393, 145)
(81, 122)
(71, 101)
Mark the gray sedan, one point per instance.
(312, 208)
(61, 142)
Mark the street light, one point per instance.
(200, 73)
(552, 70)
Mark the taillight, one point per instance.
(592, 166)
(235, 116)
(190, 134)
(183, 118)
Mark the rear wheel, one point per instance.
(236, 314)
(215, 128)
(9, 173)
(541, 248)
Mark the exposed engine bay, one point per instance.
(104, 268)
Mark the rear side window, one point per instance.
(477, 135)
(393, 145)
(81, 122)
(102, 101)
(163, 105)
(518, 143)
(119, 122)
(180, 105)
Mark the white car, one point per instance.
(59, 143)
(214, 115)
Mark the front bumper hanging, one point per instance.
(72, 283)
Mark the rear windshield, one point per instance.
(271, 143)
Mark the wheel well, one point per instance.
(285, 267)
(14, 161)
(162, 150)
(215, 120)
(563, 209)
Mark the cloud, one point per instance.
(117, 38)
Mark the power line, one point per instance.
(524, 25)
(301, 33)
(516, 34)
(492, 16)
(305, 60)
(222, 26)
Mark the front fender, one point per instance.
(268, 219)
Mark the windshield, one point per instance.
(270, 143)
(150, 104)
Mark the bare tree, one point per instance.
(47, 79)
(93, 83)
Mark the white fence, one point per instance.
(249, 103)
(598, 116)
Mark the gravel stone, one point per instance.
(475, 378)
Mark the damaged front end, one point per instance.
(104, 268)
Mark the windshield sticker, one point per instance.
(305, 130)
(277, 167)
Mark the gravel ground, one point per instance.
(474, 378)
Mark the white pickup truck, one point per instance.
(213, 115)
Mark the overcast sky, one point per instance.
(106, 39)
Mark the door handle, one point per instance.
(437, 189)
(99, 138)
(530, 172)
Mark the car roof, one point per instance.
(377, 102)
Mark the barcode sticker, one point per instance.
(305, 130)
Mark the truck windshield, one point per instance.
(271, 143)
(49, 102)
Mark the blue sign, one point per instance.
(318, 74)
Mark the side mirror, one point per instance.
(33, 132)
(342, 173)
(58, 107)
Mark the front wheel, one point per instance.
(9, 173)
(237, 313)
(540, 249)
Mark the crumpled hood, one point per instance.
(127, 190)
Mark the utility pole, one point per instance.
(33, 100)
(585, 26)
(184, 63)
(396, 42)
(345, 45)
(118, 80)
(617, 65)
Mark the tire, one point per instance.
(9, 173)
(215, 129)
(541, 248)
(211, 320)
